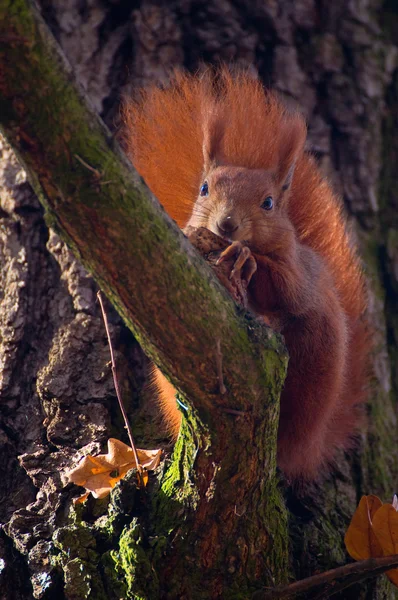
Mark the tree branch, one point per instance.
(333, 581)
(119, 232)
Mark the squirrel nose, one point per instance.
(227, 225)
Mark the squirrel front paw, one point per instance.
(211, 247)
(245, 264)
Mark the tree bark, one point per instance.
(339, 61)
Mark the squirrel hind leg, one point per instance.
(166, 400)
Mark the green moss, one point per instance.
(77, 580)
(76, 542)
(177, 491)
(132, 560)
(78, 559)
(84, 549)
(114, 577)
(276, 518)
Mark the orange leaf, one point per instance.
(81, 499)
(360, 539)
(99, 474)
(393, 576)
(385, 525)
(149, 459)
(144, 477)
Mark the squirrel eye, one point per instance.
(204, 190)
(268, 203)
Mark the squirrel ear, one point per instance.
(213, 133)
(292, 140)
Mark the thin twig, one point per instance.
(115, 380)
(336, 579)
(89, 167)
(221, 385)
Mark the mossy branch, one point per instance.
(96, 201)
(161, 287)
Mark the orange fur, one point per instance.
(227, 129)
(166, 398)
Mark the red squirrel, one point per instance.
(220, 152)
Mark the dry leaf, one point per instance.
(81, 499)
(99, 474)
(360, 539)
(373, 531)
(385, 526)
(393, 576)
(144, 477)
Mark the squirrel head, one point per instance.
(247, 204)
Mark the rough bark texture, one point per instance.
(339, 61)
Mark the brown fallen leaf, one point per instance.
(360, 539)
(385, 524)
(99, 474)
(373, 531)
(81, 499)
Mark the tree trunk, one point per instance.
(339, 61)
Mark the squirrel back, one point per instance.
(167, 130)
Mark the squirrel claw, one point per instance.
(245, 264)
(250, 267)
(234, 249)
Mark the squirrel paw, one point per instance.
(245, 264)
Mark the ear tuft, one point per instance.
(213, 134)
(292, 139)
